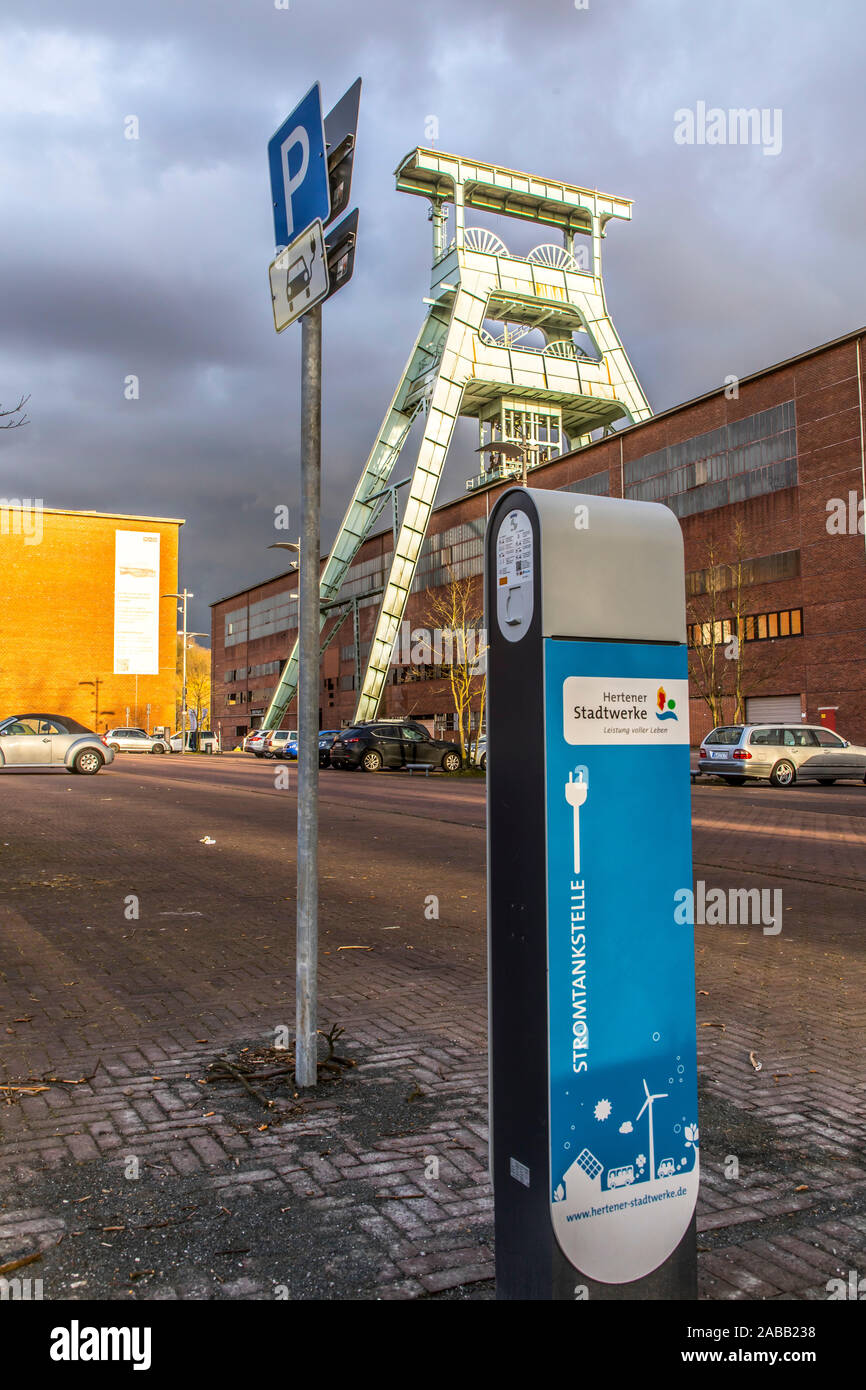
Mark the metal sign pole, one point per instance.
(307, 944)
(183, 691)
(307, 194)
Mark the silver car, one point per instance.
(135, 741)
(781, 754)
(281, 743)
(51, 740)
(255, 741)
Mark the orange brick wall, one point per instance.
(57, 620)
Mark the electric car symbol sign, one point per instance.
(299, 277)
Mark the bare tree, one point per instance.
(457, 612)
(8, 420)
(719, 630)
(709, 676)
(198, 690)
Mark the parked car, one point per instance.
(135, 741)
(781, 754)
(201, 740)
(254, 742)
(327, 738)
(480, 753)
(51, 740)
(392, 744)
(281, 743)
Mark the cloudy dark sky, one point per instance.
(149, 256)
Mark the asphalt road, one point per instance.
(205, 960)
(458, 798)
(809, 830)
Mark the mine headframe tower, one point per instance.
(523, 344)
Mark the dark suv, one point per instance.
(392, 743)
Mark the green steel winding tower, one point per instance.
(504, 342)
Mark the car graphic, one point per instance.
(666, 1168)
(300, 274)
(620, 1177)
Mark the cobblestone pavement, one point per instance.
(133, 954)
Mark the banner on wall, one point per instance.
(136, 603)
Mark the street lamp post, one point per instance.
(185, 595)
(288, 545)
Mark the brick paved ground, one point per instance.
(377, 1187)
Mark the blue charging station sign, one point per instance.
(593, 1066)
(621, 1019)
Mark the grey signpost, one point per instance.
(310, 163)
(308, 700)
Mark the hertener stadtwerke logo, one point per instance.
(666, 708)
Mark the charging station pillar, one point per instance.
(593, 1068)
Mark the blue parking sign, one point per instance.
(298, 166)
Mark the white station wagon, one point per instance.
(135, 741)
(781, 755)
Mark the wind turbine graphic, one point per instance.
(648, 1103)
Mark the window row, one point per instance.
(759, 569)
(754, 627)
(596, 485)
(765, 425)
(242, 673)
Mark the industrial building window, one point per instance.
(755, 627)
(365, 575)
(761, 569)
(276, 614)
(235, 627)
(457, 553)
(746, 458)
(445, 723)
(265, 668)
(596, 485)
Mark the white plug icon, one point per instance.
(576, 790)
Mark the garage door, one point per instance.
(773, 709)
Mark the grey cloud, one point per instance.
(150, 256)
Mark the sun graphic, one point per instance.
(602, 1109)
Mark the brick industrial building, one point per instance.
(767, 478)
(84, 630)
